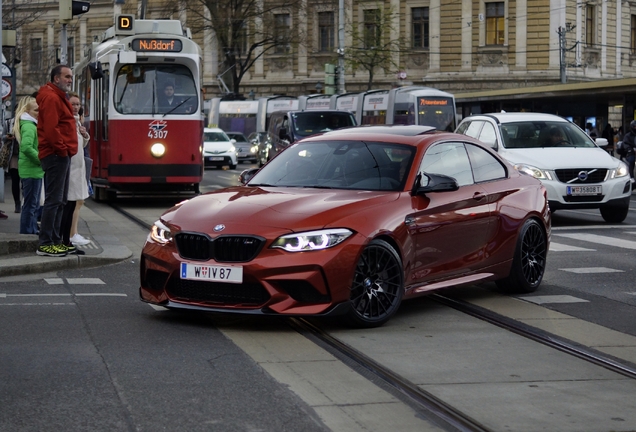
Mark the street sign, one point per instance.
(6, 88)
(6, 70)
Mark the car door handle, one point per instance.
(478, 196)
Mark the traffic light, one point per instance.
(70, 8)
(331, 78)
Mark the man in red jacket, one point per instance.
(57, 142)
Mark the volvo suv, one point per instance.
(576, 171)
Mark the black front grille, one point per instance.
(155, 279)
(303, 291)
(571, 176)
(249, 294)
(583, 199)
(194, 246)
(222, 249)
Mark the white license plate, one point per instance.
(229, 274)
(215, 158)
(585, 190)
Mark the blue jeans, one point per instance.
(56, 170)
(629, 160)
(31, 189)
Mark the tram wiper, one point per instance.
(184, 101)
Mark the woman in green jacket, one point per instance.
(29, 168)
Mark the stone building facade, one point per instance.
(456, 46)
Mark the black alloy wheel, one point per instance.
(378, 286)
(529, 262)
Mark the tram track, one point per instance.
(447, 416)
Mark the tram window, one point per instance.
(106, 98)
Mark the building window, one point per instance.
(36, 55)
(372, 29)
(282, 24)
(419, 17)
(632, 43)
(70, 52)
(495, 24)
(590, 25)
(326, 31)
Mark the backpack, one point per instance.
(620, 149)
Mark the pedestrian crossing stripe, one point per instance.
(558, 247)
(604, 240)
(584, 270)
(75, 281)
(553, 299)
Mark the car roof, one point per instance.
(504, 117)
(412, 134)
(207, 129)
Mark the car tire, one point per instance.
(614, 214)
(233, 166)
(377, 287)
(528, 264)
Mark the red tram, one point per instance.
(141, 90)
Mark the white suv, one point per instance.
(218, 149)
(576, 172)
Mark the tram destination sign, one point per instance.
(157, 45)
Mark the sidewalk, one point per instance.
(17, 251)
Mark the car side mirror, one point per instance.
(601, 142)
(427, 183)
(247, 175)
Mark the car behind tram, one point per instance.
(140, 86)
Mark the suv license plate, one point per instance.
(215, 158)
(212, 273)
(584, 190)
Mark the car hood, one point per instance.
(561, 158)
(213, 146)
(248, 210)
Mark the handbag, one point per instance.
(5, 153)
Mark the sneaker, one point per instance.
(50, 250)
(68, 248)
(3, 215)
(79, 240)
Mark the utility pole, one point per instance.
(561, 32)
(341, 51)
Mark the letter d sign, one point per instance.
(125, 24)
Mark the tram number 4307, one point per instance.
(157, 133)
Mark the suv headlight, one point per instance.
(533, 171)
(160, 233)
(620, 171)
(311, 240)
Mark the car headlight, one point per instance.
(160, 233)
(311, 240)
(621, 171)
(254, 149)
(232, 149)
(533, 171)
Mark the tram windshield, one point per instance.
(531, 134)
(155, 89)
(438, 112)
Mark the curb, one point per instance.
(27, 262)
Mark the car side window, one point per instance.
(486, 167)
(449, 159)
(474, 128)
(488, 135)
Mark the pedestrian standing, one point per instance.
(57, 138)
(29, 167)
(629, 147)
(77, 185)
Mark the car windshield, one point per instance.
(531, 134)
(309, 123)
(239, 137)
(215, 137)
(339, 165)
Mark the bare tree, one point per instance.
(373, 45)
(245, 30)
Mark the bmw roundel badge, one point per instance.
(219, 227)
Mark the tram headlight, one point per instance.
(158, 150)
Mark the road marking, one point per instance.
(585, 270)
(158, 308)
(4, 295)
(604, 240)
(85, 281)
(75, 281)
(37, 304)
(558, 247)
(553, 299)
(590, 227)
